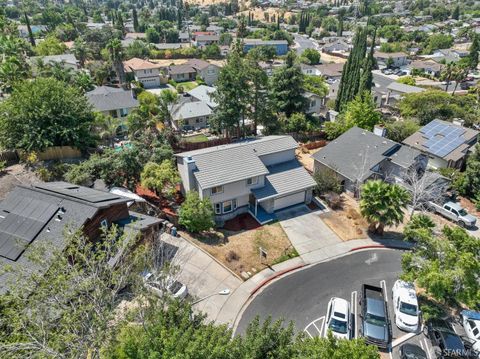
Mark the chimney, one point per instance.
(189, 167)
(380, 130)
(458, 122)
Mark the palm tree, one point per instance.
(459, 74)
(382, 204)
(107, 128)
(167, 99)
(81, 51)
(447, 74)
(114, 48)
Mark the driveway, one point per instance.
(310, 236)
(203, 275)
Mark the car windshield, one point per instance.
(375, 319)
(408, 309)
(338, 326)
(175, 287)
(462, 212)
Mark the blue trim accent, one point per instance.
(262, 217)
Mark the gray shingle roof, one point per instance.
(357, 151)
(283, 179)
(188, 110)
(203, 93)
(404, 88)
(105, 98)
(230, 163)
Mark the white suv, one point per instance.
(405, 306)
(338, 318)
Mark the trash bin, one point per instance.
(174, 231)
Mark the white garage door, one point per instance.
(289, 200)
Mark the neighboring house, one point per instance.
(184, 37)
(315, 103)
(270, 66)
(190, 114)
(68, 61)
(337, 48)
(448, 55)
(332, 74)
(171, 46)
(446, 144)
(429, 67)
(396, 90)
(135, 35)
(281, 46)
(309, 70)
(33, 220)
(191, 69)
(112, 101)
(260, 177)
(359, 155)
(206, 71)
(36, 29)
(204, 93)
(205, 40)
(398, 59)
(145, 72)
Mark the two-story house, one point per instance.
(260, 177)
(192, 69)
(393, 59)
(359, 155)
(145, 72)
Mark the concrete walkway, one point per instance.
(202, 275)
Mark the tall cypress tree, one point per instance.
(350, 81)
(135, 20)
(366, 81)
(473, 56)
(29, 29)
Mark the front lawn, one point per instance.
(187, 86)
(196, 138)
(239, 251)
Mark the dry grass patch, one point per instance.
(239, 251)
(305, 157)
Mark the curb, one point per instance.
(275, 276)
(373, 246)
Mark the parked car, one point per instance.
(405, 306)
(338, 318)
(158, 286)
(448, 344)
(412, 351)
(375, 322)
(471, 324)
(455, 212)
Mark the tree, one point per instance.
(12, 71)
(438, 41)
(418, 226)
(71, 310)
(456, 12)
(366, 78)
(382, 204)
(399, 130)
(407, 80)
(327, 181)
(447, 266)
(474, 49)
(259, 107)
(29, 29)
(350, 81)
(231, 95)
(316, 85)
(361, 112)
(152, 35)
(311, 56)
(196, 214)
(42, 113)
(287, 87)
(50, 46)
(81, 51)
(114, 48)
(136, 26)
(470, 182)
(161, 178)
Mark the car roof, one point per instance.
(340, 305)
(407, 294)
(451, 340)
(413, 349)
(454, 205)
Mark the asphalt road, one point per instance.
(303, 296)
(303, 43)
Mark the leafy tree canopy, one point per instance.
(196, 214)
(45, 112)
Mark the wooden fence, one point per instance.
(192, 146)
(11, 157)
(59, 153)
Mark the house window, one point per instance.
(123, 112)
(252, 181)
(218, 208)
(217, 189)
(229, 206)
